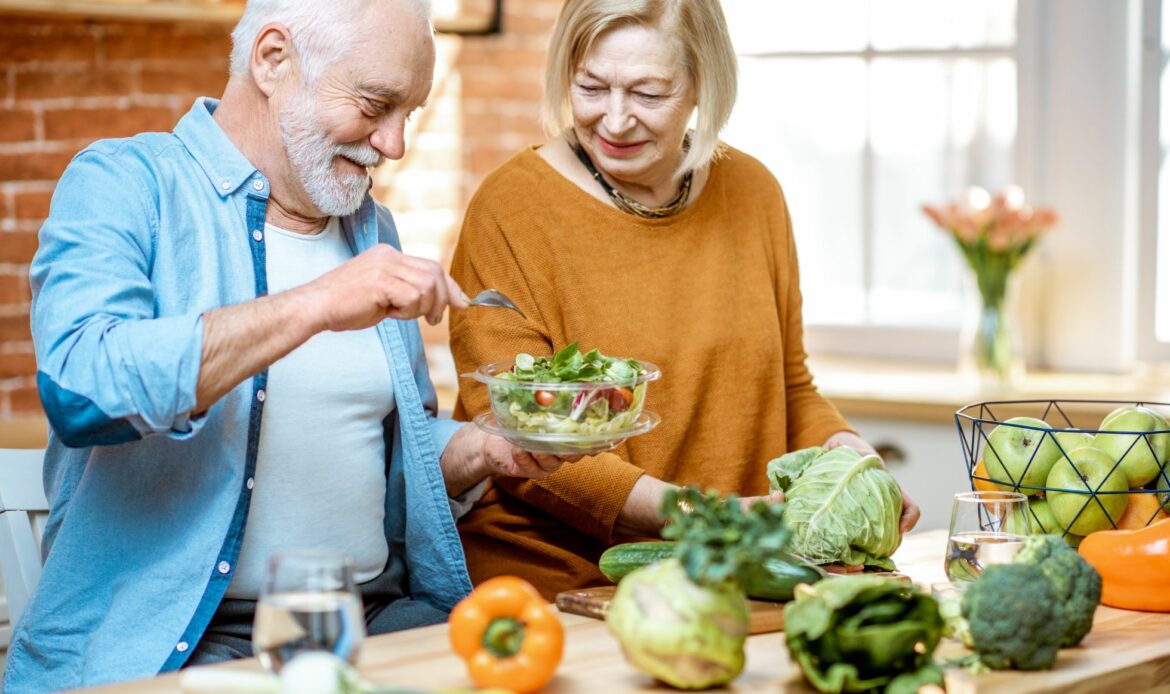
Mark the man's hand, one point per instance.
(241, 340)
(383, 283)
(472, 455)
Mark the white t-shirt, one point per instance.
(321, 467)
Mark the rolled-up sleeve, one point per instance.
(109, 369)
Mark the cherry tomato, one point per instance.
(545, 398)
(620, 399)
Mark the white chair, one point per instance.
(23, 512)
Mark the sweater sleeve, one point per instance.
(811, 418)
(588, 494)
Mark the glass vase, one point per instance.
(990, 350)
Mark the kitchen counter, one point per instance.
(1126, 652)
(931, 393)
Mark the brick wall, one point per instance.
(65, 83)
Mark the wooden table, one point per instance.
(1126, 652)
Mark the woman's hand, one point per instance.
(503, 458)
(848, 438)
(775, 497)
(910, 511)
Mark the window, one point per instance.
(865, 110)
(1154, 302)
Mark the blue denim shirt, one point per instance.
(149, 504)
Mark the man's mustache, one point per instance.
(362, 154)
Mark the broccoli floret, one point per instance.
(1077, 583)
(1014, 617)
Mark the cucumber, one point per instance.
(775, 579)
(619, 560)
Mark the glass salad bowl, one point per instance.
(572, 403)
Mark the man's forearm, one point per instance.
(242, 340)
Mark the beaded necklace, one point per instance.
(628, 204)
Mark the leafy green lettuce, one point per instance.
(841, 506)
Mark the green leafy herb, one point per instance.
(718, 540)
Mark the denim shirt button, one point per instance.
(257, 185)
(251, 483)
(260, 395)
(181, 647)
(224, 567)
(258, 235)
(226, 185)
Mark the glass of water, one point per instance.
(986, 528)
(308, 603)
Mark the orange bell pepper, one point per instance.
(1134, 566)
(508, 635)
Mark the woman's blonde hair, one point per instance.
(700, 34)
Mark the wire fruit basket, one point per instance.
(1078, 480)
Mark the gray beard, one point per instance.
(311, 155)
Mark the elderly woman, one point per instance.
(629, 233)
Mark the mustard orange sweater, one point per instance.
(710, 295)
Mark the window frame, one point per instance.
(923, 343)
(1104, 96)
(1154, 59)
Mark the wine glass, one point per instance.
(308, 603)
(986, 528)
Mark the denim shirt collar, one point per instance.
(225, 166)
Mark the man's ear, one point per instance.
(273, 57)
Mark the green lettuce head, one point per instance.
(686, 635)
(864, 633)
(841, 506)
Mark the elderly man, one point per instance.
(210, 317)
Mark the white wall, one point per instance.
(1079, 150)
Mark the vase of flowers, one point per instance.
(994, 234)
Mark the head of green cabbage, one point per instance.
(686, 635)
(841, 506)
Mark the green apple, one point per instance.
(1141, 456)
(1086, 473)
(1018, 455)
(1040, 522)
(1072, 440)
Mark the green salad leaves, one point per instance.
(571, 366)
(571, 393)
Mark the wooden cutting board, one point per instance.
(764, 616)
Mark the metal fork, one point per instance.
(494, 299)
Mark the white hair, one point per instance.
(321, 30)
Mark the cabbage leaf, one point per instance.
(842, 506)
